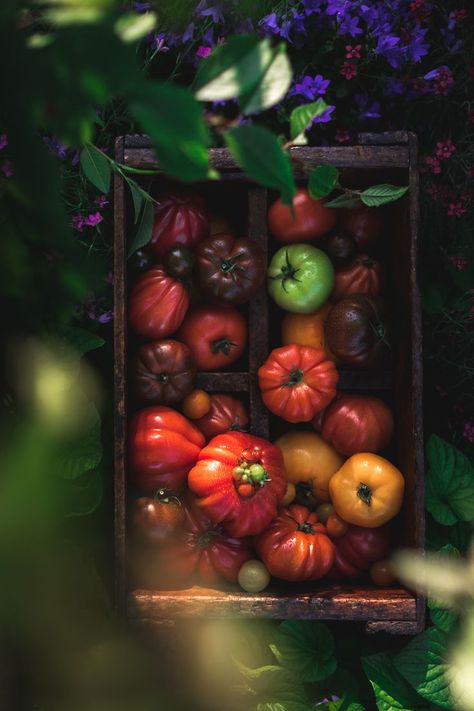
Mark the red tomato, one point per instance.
(179, 219)
(364, 224)
(357, 549)
(163, 446)
(295, 546)
(226, 413)
(203, 549)
(297, 382)
(155, 520)
(357, 423)
(215, 336)
(335, 525)
(157, 304)
(311, 219)
(226, 468)
(362, 276)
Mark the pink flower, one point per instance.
(456, 209)
(3, 141)
(353, 52)
(348, 70)
(445, 149)
(7, 168)
(460, 15)
(80, 221)
(468, 432)
(435, 191)
(443, 81)
(101, 201)
(342, 136)
(458, 261)
(433, 164)
(203, 52)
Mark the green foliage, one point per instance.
(301, 118)
(260, 155)
(344, 201)
(322, 181)
(271, 685)
(449, 484)
(382, 194)
(144, 227)
(392, 691)
(82, 454)
(96, 167)
(306, 648)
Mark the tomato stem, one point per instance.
(296, 376)
(163, 378)
(305, 527)
(364, 492)
(223, 345)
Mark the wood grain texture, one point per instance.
(223, 382)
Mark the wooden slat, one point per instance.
(223, 382)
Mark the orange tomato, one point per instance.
(196, 404)
(289, 495)
(307, 329)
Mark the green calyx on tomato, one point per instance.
(300, 278)
(305, 528)
(223, 345)
(364, 493)
(253, 474)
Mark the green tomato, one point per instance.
(253, 576)
(300, 278)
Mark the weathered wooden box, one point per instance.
(377, 158)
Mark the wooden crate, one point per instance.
(377, 158)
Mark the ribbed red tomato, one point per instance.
(163, 447)
(309, 219)
(240, 480)
(357, 423)
(157, 304)
(362, 276)
(215, 336)
(295, 546)
(297, 382)
(357, 549)
(226, 413)
(179, 219)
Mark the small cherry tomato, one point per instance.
(323, 512)
(196, 404)
(382, 573)
(335, 526)
(290, 494)
(253, 576)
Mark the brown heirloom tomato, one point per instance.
(341, 248)
(297, 382)
(226, 413)
(155, 520)
(163, 446)
(362, 276)
(179, 219)
(295, 546)
(215, 336)
(310, 219)
(357, 549)
(356, 331)
(364, 224)
(163, 372)
(240, 481)
(157, 304)
(357, 423)
(179, 261)
(229, 270)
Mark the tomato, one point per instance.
(357, 549)
(179, 261)
(155, 520)
(382, 573)
(229, 270)
(179, 219)
(226, 468)
(362, 276)
(253, 576)
(226, 413)
(140, 261)
(335, 526)
(196, 404)
(364, 224)
(310, 462)
(310, 219)
(356, 331)
(295, 546)
(296, 382)
(300, 278)
(306, 329)
(323, 511)
(157, 304)
(341, 248)
(357, 423)
(289, 495)
(215, 336)
(163, 446)
(162, 372)
(367, 490)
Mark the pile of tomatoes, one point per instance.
(218, 503)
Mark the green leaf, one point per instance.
(322, 181)
(423, 663)
(244, 68)
(84, 494)
(260, 155)
(449, 484)
(345, 200)
(274, 684)
(131, 26)
(458, 535)
(392, 691)
(144, 228)
(80, 339)
(173, 120)
(381, 194)
(302, 117)
(83, 453)
(434, 298)
(283, 706)
(441, 617)
(306, 648)
(139, 197)
(96, 167)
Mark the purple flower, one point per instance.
(310, 87)
(336, 7)
(394, 87)
(367, 110)
(325, 117)
(54, 146)
(141, 6)
(188, 33)
(417, 48)
(386, 42)
(434, 73)
(311, 6)
(203, 52)
(208, 37)
(106, 317)
(214, 11)
(7, 168)
(101, 201)
(3, 141)
(159, 41)
(80, 221)
(350, 26)
(269, 24)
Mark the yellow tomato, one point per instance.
(289, 495)
(306, 329)
(367, 490)
(310, 462)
